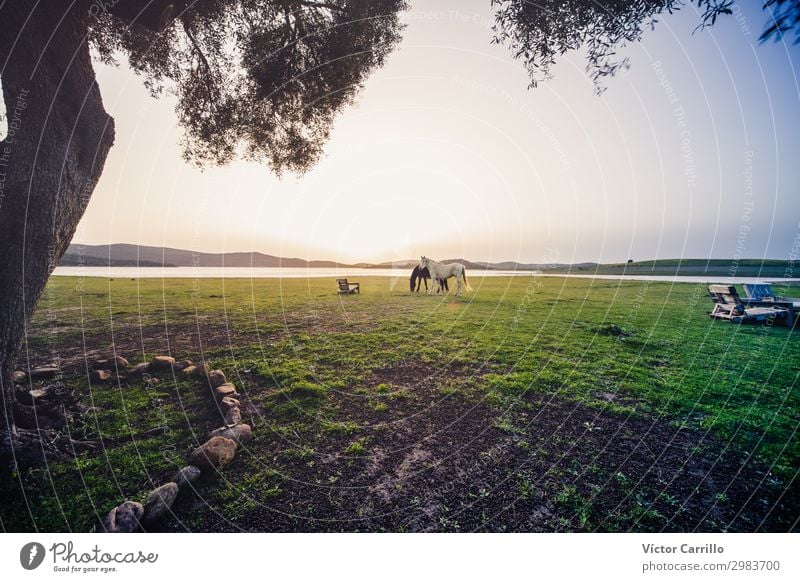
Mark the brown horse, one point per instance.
(418, 275)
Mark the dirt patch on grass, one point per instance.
(430, 462)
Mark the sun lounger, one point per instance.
(728, 305)
(763, 292)
(762, 295)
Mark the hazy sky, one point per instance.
(691, 153)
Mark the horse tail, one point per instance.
(464, 275)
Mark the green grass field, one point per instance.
(530, 404)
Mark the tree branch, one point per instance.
(312, 4)
(155, 15)
(188, 31)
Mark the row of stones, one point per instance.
(215, 453)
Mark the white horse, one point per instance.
(441, 271)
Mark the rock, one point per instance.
(158, 502)
(201, 370)
(216, 378)
(117, 362)
(31, 397)
(233, 416)
(18, 377)
(183, 364)
(40, 394)
(124, 518)
(162, 363)
(189, 370)
(227, 403)
(240, 433)
(140, 369)
(44, 372)
(214, 453)
(96, 376)
(226, 390)
(187, 475)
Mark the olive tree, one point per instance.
(259, 79)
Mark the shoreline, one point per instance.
(303, 273)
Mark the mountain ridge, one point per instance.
(131, 255)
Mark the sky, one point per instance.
(693, 152)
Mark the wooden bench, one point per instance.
(346, 288)
(728, 305)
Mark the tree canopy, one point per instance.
(539, 31)
(264, 79)
(260, 79)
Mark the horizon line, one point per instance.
(518, 261)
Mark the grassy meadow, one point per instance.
(530, 404)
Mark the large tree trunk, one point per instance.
(58, 138)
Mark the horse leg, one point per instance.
(458, 285)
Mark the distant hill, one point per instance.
(688, 267)
(125, 255)
(82, 260)
(501, 266)
(129, 255)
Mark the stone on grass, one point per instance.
(225, 390)
(189, 370)
(233, 417)
(43, 372)
(162, 363)
(111, 363)
(18, 377)
(99, 375)
(158, 502)
(227, 403)
(183, 364)
(140, 369)
(214, 453)
(188, 474)
(240, 433)
(31, 397)
(216, 378)
(201, 370)
(124, 518)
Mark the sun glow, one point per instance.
(447, 153)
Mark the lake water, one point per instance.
(253, 273)
(305, 273)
